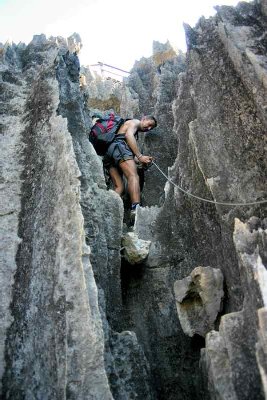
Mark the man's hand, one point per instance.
(145, 159)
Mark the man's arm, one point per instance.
(131, 141)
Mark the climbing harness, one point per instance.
(206, 200)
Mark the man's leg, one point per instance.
(116, 180)
(129, 170)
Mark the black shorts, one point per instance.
(118, 152)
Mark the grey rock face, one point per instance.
(240, 341)
(229, 356)
(250, 242)
(216, 363)
(53, 320)
(220, 128)
(103, 216)
(102, 210)
(11, 149)
(127, 368)
(261, 347)
(199, 299)
(131, 367)
(53, 340)
(246, 47)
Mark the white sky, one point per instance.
(115, 32)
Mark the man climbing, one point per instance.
(121, 154)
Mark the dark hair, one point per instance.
(152, 118)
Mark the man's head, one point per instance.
(147, 123)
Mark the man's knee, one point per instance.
(133, 175)
(129, 169)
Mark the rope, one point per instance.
(100, 64)
(206, 200)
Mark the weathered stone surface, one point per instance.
(103, 216)
(131, 368)
(242, 334)
(10, 190)
(199, 300)
(216, 364)
(246, 47)
(262, 347)
(52, 340)
(221, 143)
(135, 250)
(210, 141)
(102, 209)
(127, 368)
(235, 350)
(250, 240)
(50, 304)
(54, 321)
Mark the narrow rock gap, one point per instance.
(179, 354)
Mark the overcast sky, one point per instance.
(115, 32)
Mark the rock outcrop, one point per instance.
(55, 339)
(77, 321)
(236, 342)
(52, 343)
(199, 300)
(239, 343)
(221, 156)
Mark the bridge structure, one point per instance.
(108, 71)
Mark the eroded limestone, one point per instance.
(199, 300)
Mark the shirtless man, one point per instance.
(121, 153)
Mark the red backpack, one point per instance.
(103, 132)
